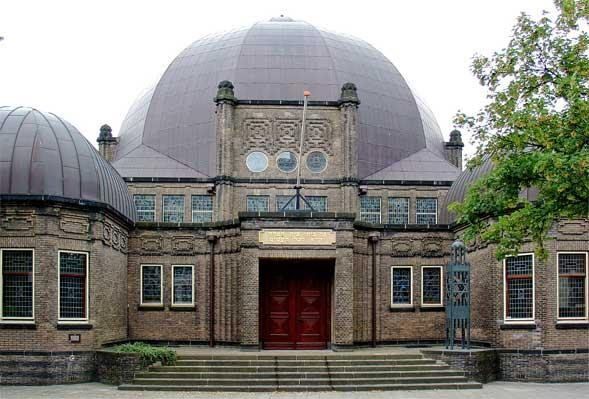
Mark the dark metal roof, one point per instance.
(274, 60)
(43, 155)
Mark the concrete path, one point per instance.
(496, 390)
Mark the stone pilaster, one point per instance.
(225, 114)
(343, 292)
(349, 121)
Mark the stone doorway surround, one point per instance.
(340, 251)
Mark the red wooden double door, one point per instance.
(295, 305)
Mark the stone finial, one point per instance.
(456, 138)
(349, 94)
(225, 92)
(105, 134)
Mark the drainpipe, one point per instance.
(373, 240)
(212, 239)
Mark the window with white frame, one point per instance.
(401, 286)
(182, 285)
(398, 210)
(202, 208)
(173, 208)
(426, 210)
(257, 203)
(145, 206)
(519, 287)
(370, 209)
(17, 274)
(432, 286)
(572, 285)
(151, 285)
(73, 285)
(319, 203)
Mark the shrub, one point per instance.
(149, 354)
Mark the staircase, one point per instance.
(291, 372)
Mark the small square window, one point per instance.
(17, 290)
(426, 210)
(151, 285)
(145, 206)
(202, 208)
(398, 210)
(257, 203)
(182, 285)
(519, 287)
(572, 285)
(432, 286)
(401, 286)
(370, 209)
(73, 285)
(173, 208)
(319, 203)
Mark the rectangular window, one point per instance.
(145, 206)
(519, 287)
(572, 285)
(202, 208)
(173, 208)
(182, 286)
(16, 266)
(432, 286)
(426, 210)
(151, 285)
(257, 203)
(319, 203)
(370, 209)
(401, 286)
(398, 210)
(73, 285)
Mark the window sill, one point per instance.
(407, 309)
(74, 326)
(182, 308)
(17, 325)
(432, 308)
(518, 326)
(150, 307)
(572, 325)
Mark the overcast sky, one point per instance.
(87, 61)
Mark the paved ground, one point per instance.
(496, 390)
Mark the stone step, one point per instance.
(303, 388)
(297, 381)
(281, 362)
(328, 356)
(302, 369)
(299, 375)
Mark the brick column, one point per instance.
(249, 302)
(343, 314)
(349, 120)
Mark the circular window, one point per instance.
(316, 161)
(286, 161)
(256, 161)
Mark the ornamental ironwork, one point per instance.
(458, 297)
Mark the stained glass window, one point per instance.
(151, 284)
(173, 208)
(401, 281)
(257, 203)
(431, 285)
(370, 209)
(287, 161)
(72, 285)
(17, 283)
(182, 291)
(572, 285)
(426, 210)
(316, 161)
(145, 206)
(202, 208)
(319, 203)
(519, 287)
(398, 210)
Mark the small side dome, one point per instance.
(42, 154)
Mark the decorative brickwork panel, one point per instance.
(287, 134)
(318, 134)
(257, 134)
(74, 225)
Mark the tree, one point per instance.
(535, 130)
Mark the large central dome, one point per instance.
(172, 125)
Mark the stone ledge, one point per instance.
(517, 326)
(572, 326)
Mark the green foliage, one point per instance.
(535, 129)
(150, 354)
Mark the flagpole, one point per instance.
(298, 187)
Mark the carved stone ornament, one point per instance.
(183, 244)
(349, 94)
(225, 92)
(152, 244)
(573, 227)
(402, 248)
(74, 224)
(17, 222)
